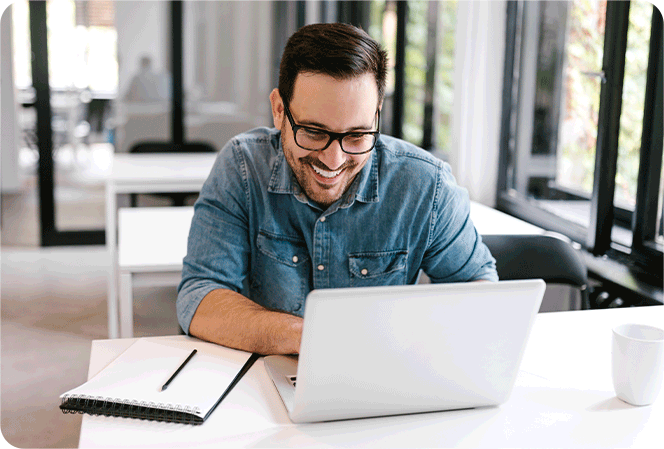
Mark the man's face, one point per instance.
(322, 102)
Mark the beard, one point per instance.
(322, 194)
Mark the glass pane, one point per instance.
(576, 163)
(556, 124)
(83, 78)
(142, 108)
(633, 99)
(21, 45)
(226, 79)
(447, 11)
(416, 67)
(383, 28)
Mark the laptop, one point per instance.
(378, 351)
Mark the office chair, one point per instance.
(177, 198)
(539, 257)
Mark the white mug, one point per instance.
(638, 362)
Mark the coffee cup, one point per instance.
(638, 363)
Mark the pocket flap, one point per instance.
(288, 250)
(372, 264)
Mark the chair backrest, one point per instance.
(537, 256)
(172, 147)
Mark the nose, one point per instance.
(333, 157)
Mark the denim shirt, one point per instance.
(255, 232)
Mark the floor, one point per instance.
(53, 304)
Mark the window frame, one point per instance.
(645, 254)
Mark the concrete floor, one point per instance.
(53, 304)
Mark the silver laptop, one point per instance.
(380, 351)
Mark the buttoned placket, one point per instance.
(321, 253)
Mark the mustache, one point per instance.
(315, 162)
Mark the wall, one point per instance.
(9, 174)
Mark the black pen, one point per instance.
(178, 370)
(237, 378)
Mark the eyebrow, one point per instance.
(314, 124)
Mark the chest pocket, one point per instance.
(378, 268)
(280, 275)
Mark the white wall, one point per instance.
(478, 84)
(9, 173)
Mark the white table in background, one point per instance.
(151, 245)
(146, 173)
(153, 242)
(563, 398)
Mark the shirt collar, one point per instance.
(364, 188)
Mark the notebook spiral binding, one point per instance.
(96, 405)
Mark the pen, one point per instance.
(178, 370)
(239, 376)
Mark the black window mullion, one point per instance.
(301, 13)
(428, 126)
(644, 224)
(606, 157)
(43, 105)
(509, 103)
(177, 100)
(50, 236)
(399, 69)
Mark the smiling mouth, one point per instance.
(325, 173)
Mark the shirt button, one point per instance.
(295, 259)
(364, 271)
(321, 267)
(322, 219)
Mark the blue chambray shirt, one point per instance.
(254, 231)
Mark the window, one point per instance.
(581, 145)
(427, 51)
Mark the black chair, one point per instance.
(177, 198)
(539, 257)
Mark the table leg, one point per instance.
(126, 305)
(111, 246)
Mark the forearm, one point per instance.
(231, 319)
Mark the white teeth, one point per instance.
(325, 173)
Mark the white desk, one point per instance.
(153, 242)
(151, 245)
(563, 398)
(146, 173)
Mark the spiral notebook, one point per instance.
(130, 386)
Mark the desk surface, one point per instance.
(159, 167)
(153, 238)
(563, 398)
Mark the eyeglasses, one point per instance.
(313, 139)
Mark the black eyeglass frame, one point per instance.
(333, 136)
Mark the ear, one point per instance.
(277, 108)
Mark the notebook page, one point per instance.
(139, 372)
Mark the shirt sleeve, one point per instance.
(455, 251)
(218, 246)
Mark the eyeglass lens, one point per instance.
(317, 140)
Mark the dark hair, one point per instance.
(339, 50)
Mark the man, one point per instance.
(322, 201)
